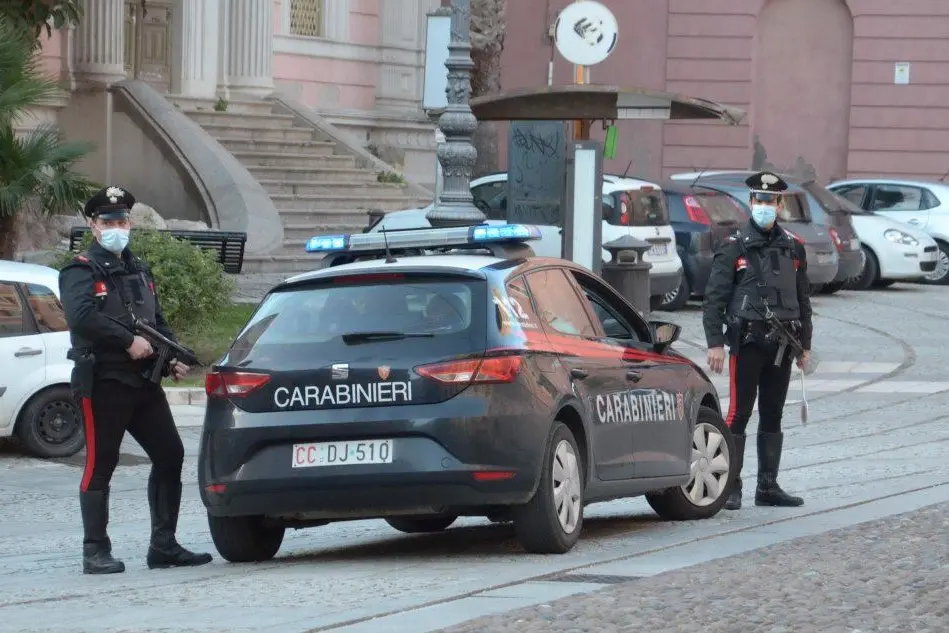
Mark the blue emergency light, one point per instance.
(424, 238)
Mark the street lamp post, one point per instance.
(457, 155)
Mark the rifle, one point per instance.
(166, 350)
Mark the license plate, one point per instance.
(658, 249)
(824, 258)
(855, 244)
(342, 453)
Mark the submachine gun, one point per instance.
(166, 349)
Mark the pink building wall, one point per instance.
(818, 86)
(320, 79)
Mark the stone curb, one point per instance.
(185, 396)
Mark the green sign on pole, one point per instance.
(609, 146)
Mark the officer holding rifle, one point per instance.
(758, 302)
(109, 298)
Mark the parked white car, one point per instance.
(630, 207)
(895, 251)
(36, 405)
(922, 204)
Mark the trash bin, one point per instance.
(628, 273)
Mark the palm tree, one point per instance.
(36, 167)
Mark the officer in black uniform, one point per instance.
(109, 382)
(758, 275)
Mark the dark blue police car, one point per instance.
(427, 374)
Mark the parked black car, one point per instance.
(702, 219)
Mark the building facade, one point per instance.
(834, 88)
(359, 62)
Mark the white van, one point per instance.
(630, 207)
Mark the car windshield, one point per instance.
(830, 201)
(346, 318)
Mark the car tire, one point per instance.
(538, 524)
(688, 502)
(420, 525)
(832, 287)
(944, 278)
(868, 276)
(245, 539)
(676, 300)
(50, 425)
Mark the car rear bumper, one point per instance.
(434, 460)
(662, 283)
(850, 264)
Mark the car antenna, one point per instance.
(389, 258)
(699, 176)
(627, 168)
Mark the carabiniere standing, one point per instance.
(109, 382)
(759, 283)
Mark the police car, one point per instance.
(426, 374)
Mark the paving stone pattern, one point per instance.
(880, 576)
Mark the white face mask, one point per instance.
(114, 240)
(764, 215)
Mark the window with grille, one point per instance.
(306, 17)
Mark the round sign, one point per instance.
(586, 33)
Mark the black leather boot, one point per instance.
(738, 459)
(96, 546)
(769, 493)
(164, 500)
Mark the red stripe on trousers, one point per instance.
(732, 390)
(90, 443)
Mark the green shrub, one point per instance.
(192, 286)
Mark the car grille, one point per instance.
(929, 249)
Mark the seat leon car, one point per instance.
(426, 374)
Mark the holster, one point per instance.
(84, 371)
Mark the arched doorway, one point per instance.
(801, 87)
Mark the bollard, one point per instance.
(628, 273)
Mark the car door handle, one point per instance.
(578, 373)
(634, 376)
(914, 220)
(26, 351)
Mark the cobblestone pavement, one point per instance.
(868, 444)
(886, 575)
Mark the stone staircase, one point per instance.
(316, 187)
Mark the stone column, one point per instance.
(98, 45)
(250, 47)
(402, 25)
(196, 26)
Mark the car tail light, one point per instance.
(233, 384)
(624, 202)
(837, 241)
(695, 210)
(493, 475)
(490, 369)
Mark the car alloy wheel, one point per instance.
(708, 471)
(567, 486)
(938, 275)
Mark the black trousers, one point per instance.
(754, 376)
(115, 408)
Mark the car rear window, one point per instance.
(795, 209)
(304, 327)
(640, 207)
(720, 208)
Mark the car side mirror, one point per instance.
(664, 334)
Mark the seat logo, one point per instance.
(340, 371)
(384, 372)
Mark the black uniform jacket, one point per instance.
(728, 273)
(86, 297)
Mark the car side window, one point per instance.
(491, 198)
(47, 310)
(558, 305)
(614, 320)
(12, 313)
(853, 193)
(515, 311)
(897, 198)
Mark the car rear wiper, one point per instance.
(353, 338)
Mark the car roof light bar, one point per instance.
(426, 238)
